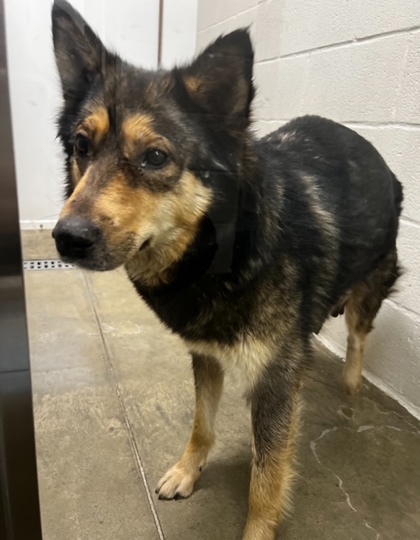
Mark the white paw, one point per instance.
(177, 483)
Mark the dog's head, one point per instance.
(145, 150)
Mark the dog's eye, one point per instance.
(81, 145)
(155, 159)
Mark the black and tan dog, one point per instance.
(243, 247)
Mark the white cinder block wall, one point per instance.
(357, 62)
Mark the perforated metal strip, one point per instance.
(46, 264)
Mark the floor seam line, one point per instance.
(133, 443)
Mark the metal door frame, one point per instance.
(19, 499)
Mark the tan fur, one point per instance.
(362, 305)
(192, 84)
(96, 125)
(271, 484)
(139, 135)
(129, 216)
(352, 372)
(173, 225)
(181, 478)
(68, 208)
(208, 392)
(199, 88)
(356, 341)
(75, 171)
(330, 237)
(246, 359)
(240, 100)
(322, 215)
(124, 210)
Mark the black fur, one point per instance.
(353, 183)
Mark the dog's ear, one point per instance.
(220, 79)
(79, 53)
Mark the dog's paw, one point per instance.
(177, 483)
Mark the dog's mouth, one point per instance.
(79, 241)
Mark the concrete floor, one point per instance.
(113, 396)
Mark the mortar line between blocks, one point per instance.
(223, 21)
(342, 44)
(133, 443)
(352, 123)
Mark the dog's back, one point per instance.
(334, 205)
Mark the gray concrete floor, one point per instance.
(113, 396)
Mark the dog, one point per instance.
(242, 246)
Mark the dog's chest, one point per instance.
(202, 314)
(245, 359)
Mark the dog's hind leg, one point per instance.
(179, 481)
(275, 409)
(362, 305)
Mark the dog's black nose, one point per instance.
(75, 237)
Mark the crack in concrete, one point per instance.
(313, 446)
(368, 526)
(394, 413)
(414, 430)
(341, 411)
(360, 429)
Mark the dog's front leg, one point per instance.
(275, 422)
(179, 481)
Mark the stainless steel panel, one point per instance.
(19, 502)
(14, 354)
(18, 475)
